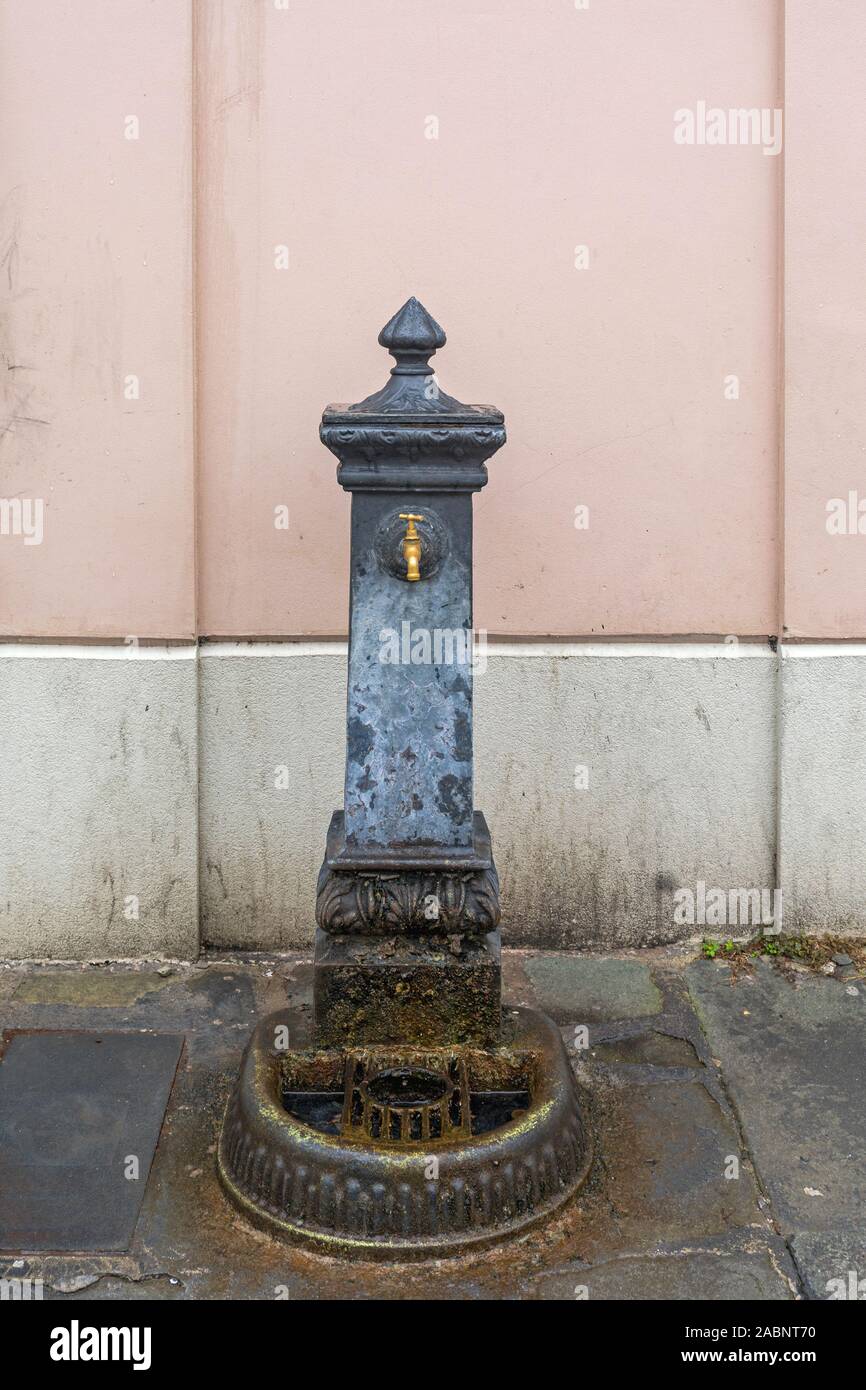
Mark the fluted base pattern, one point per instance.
(414, 1200)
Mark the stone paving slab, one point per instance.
(100, 989)
(832, 1264)
(711, 1275)
(659, 1217)
(668, 1144)
(591, 990)
(792, 1058)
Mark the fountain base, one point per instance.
(404, 1152)
(407, 990)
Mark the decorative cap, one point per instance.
(412, 337)
(411, 436)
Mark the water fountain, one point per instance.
(424, 1119)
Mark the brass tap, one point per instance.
(411, 546)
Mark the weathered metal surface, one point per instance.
(410, 450)
(385, 895)
(395, 1098)
(409, 714)
(429, 858)
(411, 436)
(421, 1123)
(407, 902)
(408, 867)
(421, 989)
(75, 1110)
(374, 1199)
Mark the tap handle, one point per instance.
(412, 546)
(411, 517)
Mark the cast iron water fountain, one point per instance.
(424, 1119)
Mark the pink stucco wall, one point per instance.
(555, 130)
(825, 298)
(306, 127)
(96, 287)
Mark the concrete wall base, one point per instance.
(155, 798)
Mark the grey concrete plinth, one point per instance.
(595, 867)
(98, 803)
(822, 809)
(102, 800)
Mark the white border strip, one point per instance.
(676, 651)
(42, 651)
(288, 648)
(544, 650)
(799, 650)
(549, 650)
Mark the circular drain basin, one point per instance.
(416, 1187)
(403, 1086)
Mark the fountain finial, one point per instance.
(412, 336)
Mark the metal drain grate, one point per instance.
(406, 1098)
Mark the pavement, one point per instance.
(727, 1112)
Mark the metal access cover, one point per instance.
(75, 1108)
